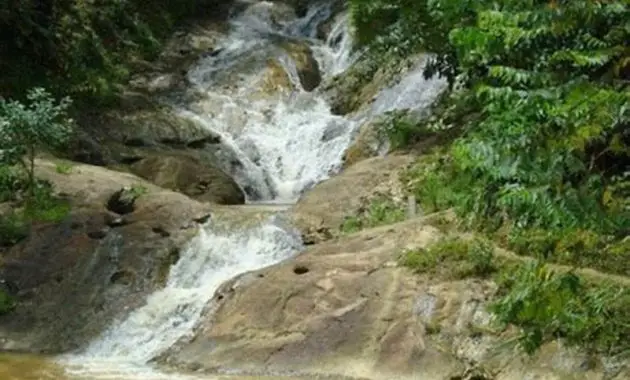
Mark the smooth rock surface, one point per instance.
(338, 308)
(191, 177)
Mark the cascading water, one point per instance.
(275, 146)
(171, 313)
(285, 143)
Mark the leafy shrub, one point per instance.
(453, 258)
(12, 181)
(543, 160)
(26, 128)
(379, 211)
(547, 144)
(579, 247)
(546, 305)
(138, 190)
(399, 28)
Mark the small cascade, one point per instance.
(279, 146)
(213, 257)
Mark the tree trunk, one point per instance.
(31, 174)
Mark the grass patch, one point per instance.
(453, 258)
(12, 181)
(380, 211)
(13, 228)
(64, 167)
(138, 190)
(544, 304)
(43, 206)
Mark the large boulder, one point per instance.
(318, 215)
(338, 308)
(366, 144)
(356, 88)
(128, 133)
(74, 277)
(188, 175)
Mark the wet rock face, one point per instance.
(71, 279)
(191, 177)
(368, 143)
(306, 65)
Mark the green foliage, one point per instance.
(579, 247)
(543, 158)
(41, 206)
(12, 181)
(7, 303)
(453, 258)
(403, 130)
(83, 48)
(379, 211)
(45, 207)
(547, 146)
(25, 128)
(399, 28)
(138, 190)
(63, 167)
(546, 305)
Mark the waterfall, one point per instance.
(275, 147)
(169, 314)
(281, 145)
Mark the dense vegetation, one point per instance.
(545, 303)
(84, 49)
(75, 49)
(540, 105)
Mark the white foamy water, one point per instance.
(275, 146)
(172, 312)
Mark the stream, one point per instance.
(276, 147)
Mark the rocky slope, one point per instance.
(346, 307)
(114, 248)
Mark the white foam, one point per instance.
(171, 313)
